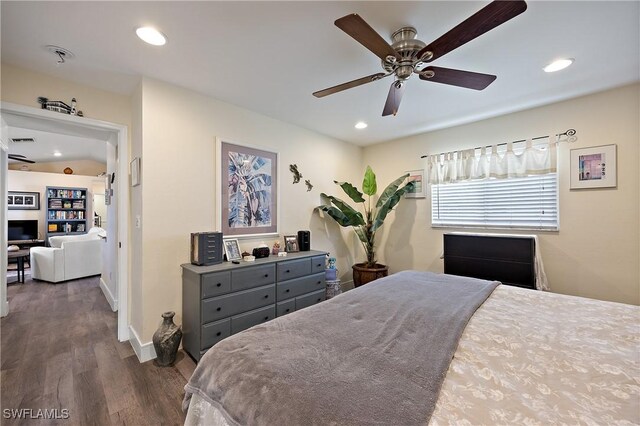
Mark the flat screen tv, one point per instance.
(22, 230)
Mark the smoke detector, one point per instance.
(61, 53)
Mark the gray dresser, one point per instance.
(224, 299)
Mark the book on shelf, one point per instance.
(53, 227)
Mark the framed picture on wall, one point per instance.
(247, 190)
(417, 177)
(593, 167)
(18, 200)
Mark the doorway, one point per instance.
(115, 137)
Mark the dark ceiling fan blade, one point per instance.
(494, 14)
(362, 32)
(393, 98)
(468, 79)
(349, 85)
(18, 157)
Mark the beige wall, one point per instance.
(596, 252)
(79, 167)
(38, 182)
(23, 86)
(177, 145)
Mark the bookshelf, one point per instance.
(66, 211)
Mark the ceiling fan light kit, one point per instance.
(407, 55)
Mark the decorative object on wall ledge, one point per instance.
(417, 177)
(135, 171)
(594, 167)
(18, 200)
(366, 226)
(166, 340)
(60, 106)
(248, 192)
(293, 168)
(68, 171)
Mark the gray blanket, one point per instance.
(374, 355)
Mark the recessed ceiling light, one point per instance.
(152, 36)
(57, 154)
(558, 65)
(361, 125)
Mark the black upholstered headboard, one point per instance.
(510, 260)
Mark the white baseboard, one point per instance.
(4, 308)
(113, 302)
(144, 351)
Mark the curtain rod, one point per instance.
(570, 132)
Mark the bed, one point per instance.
(423, 348)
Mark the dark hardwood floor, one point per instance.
(60, 351)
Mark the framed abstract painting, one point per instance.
(594, 167)
(247, 190)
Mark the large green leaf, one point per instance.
(351, 191)
(355, 217)
(390, 204)
(336, 214)
(390, 190)
(369, 185)
(360, 232)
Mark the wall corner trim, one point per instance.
(144, 351)
(113, 302)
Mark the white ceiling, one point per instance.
(46, 143)
(270, 56)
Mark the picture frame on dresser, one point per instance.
(20, 200)
(291, 244)
(232, 249)
(247, 195)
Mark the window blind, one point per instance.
(523, 203)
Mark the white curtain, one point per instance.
(493, 162)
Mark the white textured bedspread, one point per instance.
(535, 358)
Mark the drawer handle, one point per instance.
(266, 296)
(218, 333)
(320, 299)
(266, 318)
(286, 291)
(288, 271)
(287, 310)
(319, 265)
(218, 309)
(319, 282)
(219, 285)
(266, 275)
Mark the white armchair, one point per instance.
(70, 257)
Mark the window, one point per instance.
(523, 203)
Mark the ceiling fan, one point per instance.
(18, 157)
(407, 54)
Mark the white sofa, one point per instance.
(68, 257)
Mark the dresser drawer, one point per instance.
(231, 304)
(213, 332)
(254, 276)
(292, 288)
(216, 284)
(318, 264)
(255, 317)
(286, 307)
(309, 299)
(293, 269)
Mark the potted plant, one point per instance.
(366, 226)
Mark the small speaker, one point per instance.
(206, 248)
(261, 252)
(304, 240)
